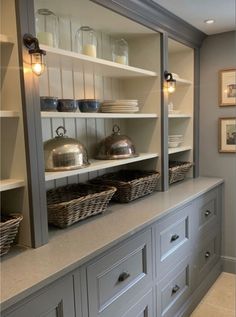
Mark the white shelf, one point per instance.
(4, 39)
(76, 61)
(182, 81)
(97, 165)
(9, 114)
(47, 114)
(179, 115)
(179, 149)
(7, 184)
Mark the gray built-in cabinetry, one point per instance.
(160, 271)
(157, 42)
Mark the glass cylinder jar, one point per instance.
(86, 41)
(120, 52)
(47, 27)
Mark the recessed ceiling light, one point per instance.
(209, 21)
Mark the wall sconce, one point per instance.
(36, 54)
(170, 82)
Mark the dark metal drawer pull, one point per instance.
(123, 276)
(175, 289)
(207, 213)
(207, 254)
(174, 237)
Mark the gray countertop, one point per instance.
(24, 272)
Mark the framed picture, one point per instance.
(227, 89)
(227, 135)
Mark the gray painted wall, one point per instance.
(218, 52)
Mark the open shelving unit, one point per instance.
(9, 114)
(96, 165)
(179, 149)
(8, 184)
(81, 115)
(71, 60)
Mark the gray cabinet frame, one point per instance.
(145, 12)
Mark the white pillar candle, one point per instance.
(89, 49)
(121, 59)
(45, 38)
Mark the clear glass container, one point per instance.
(86, 41)
(47, 27)
(120, 52)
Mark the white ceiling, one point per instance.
(196, 11)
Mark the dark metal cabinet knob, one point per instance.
(175, 289)
(123, 276)
(207, 254)
(174, 238)
(207, 213)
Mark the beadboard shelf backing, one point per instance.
(70, 60)
(8, 184)
(97, 165)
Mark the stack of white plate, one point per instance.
(120, 106)
(175, 140)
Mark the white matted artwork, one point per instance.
(227, 135)
(227, 88)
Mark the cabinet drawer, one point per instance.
(144, 307)
(174, 290)
(119, 275)
(207, 256)
(173, 240)
(208, 210)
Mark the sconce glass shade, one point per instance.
(37, 63)
(36, 54)
(170, 82)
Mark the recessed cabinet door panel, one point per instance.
(173, 240)
(118, 276)
(56, 300)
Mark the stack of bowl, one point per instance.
(175, 140)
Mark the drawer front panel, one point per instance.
(208, 255)
(208, 211)
(120, 274)
(174, 236)
(174, 289)
(144, 307)
(173, 240)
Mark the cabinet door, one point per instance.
(57, 300)
(143, 308)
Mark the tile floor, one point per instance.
(220, 299)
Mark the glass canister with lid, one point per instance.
(86, 41)
(120, 52)
(47, 27)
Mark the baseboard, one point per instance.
(229, 264)
(199, 293)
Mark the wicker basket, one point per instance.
(178, 170)
(130, 184)
(72, 203)
(8, 229)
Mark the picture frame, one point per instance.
(227, 87)
(227, 135)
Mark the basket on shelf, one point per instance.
(130, 184)
(72, 203)
(8, 229)
(178, 170)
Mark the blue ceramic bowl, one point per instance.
(88, 105)
(67, 105)
(48, 103)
